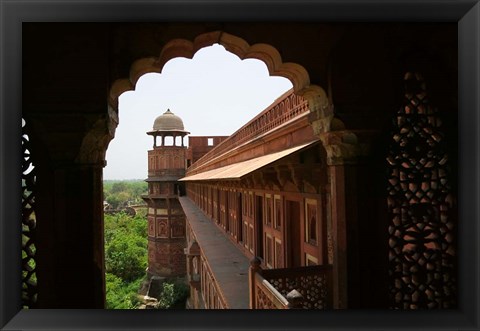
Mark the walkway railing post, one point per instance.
(254, 268)
(295, 300)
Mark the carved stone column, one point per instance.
(342, 150)
(254, 268)
(69, 210)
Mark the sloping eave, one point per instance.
(237, 170)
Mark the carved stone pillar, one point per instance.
(70, 208)
(254, 268)
(70, 237)
(342, 150)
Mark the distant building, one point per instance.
(166, 220)
(198, 146)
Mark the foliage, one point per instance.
(121, 222)
(172, 293)
(142, 213)
(121, 294)
(121, 193)
(118, 187)
(125, 250)
(125, 246)
(124, 257)
(117, 200)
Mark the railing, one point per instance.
(287, 288)
(200, 275)
(280, 112)
(266, 296)
(211, 293)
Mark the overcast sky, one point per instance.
(215, 93)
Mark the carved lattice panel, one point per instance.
(263, 301)
(314, 288)
(422, 228)
(29, 276)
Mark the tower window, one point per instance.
(210, 141)
(169, 141)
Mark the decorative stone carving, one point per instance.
(321, 111)
(95, 142)
(283, 174)
(271, 178)
(162, 229)
(422, 245)
(178, 229)
(151, 226)
(29, 222)
(341, 146)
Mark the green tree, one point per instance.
(113, 224)
(118, 193)
(125, 255)
(137, 189)
(118, 187)
(125, 245)
(120, 294)
(114, 200)
(173, 294)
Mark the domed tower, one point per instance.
(166, 220)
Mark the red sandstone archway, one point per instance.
(340, 146)
(316, 97)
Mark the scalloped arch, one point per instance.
(297, 74)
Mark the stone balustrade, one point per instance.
(290, 288)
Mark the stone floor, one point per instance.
(227, 262)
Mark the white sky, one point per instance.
(215, 93)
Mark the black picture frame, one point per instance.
(13, 13)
